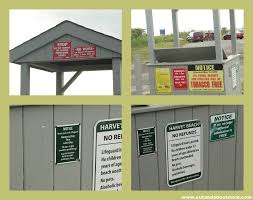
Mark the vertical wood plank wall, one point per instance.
(222, 160)
(32, 146)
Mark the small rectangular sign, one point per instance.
(222, 126)
(107, 159)
(67, 143)
(183, 152)
(206, 78)
(62, 50)
(87, 51)
(162, 81)
(179, 78)
(146, 141)
(234, 76)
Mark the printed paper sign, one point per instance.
(67, 143)
(222, 126)
(179, 78)
(146, 141)
(206, 78)
(234, 76)
(162, 81)
(62, 50)
(107, 166)
(183, 152)
(88, 51)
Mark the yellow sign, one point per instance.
(162, 81)
(206, 78)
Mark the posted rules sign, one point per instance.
(183, 152)
(107, 166)
(67, 143)
(222, 126)
(162, 81)
(62, 50)
(146, 141)
(88, 51)
(206, 78)
(179, 78)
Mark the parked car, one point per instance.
(239, 35)
(208, 36)
(195, 36)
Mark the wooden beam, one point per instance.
(73, 78)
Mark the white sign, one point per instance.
(107, 160)
(183, 152)
(234, 78)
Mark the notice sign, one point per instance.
(62, 50)
(107, 161)
(162, 81)
(179, 78)
(88, 51)
(67, 143)
(183, 148)
(206, 78)
(146, 141)
(222, 126)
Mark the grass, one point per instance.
(140, 44)
(142, 51)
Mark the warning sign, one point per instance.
(62, 50)
(206, 78)
(67, 143)
(179, 78)
(162, 81)
(222, 126)
(183, 148)
(88, 51)
(107, 166)
(146, 141)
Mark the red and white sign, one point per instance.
(88, 51)
(179, 78)
(62, 50)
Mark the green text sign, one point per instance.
(67, 143)
(146, 141)
(222, 126)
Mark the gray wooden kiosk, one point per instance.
(33, 145)
(221, 158)
(188, 64)
(68, 47)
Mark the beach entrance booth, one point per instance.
(68, 47)
(201, 70)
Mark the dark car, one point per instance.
(195, 36)
(239, 35)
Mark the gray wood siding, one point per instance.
(222, 160)
(32, 146)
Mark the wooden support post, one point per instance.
(233, 31)
(116, 70)
(175, 28)
(217, 35)
(151, 47)
(59, 82)
(25, 79)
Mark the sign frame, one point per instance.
(154, 143)
(80, 140)
(94, 150)
(235, 128)
(201, 152)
